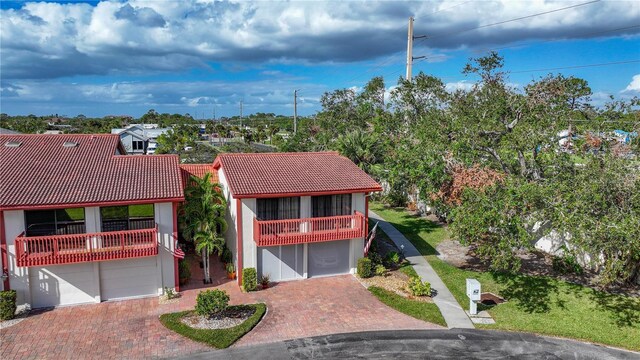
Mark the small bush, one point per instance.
(226, 256)
(566, 264)
(419, 288)
(211, 302)
(7, 304)
(264, 280)
(380, 270)
(365, 267)
(184, 273)
(376, 259)
(170, 292)
(393, 258)
(249, 279)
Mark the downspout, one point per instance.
(5, 257)
(239, 240)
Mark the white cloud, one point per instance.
(50, 40)
(463, 85)
(634, 85)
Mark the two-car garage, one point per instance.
(92, 282)
(287, 262)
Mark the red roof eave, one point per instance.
(90, 204)
(314, 193)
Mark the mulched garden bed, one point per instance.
(217, 337)
(230, 317)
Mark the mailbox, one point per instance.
(473, 292)
(473, 289)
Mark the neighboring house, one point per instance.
(624, 137)
(82, 222)
(295, 215)
(4, 131)
(140, 138)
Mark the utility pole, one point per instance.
(295, 111)
(410, 48)
(410, 39)
(240, 114)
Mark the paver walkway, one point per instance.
(131, 330)
(453, 314)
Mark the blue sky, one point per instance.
(126, 57)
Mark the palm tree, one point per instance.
(363, 149)
(273, 129)
(203, 218)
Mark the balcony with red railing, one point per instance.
(80, 248)
(308, 230)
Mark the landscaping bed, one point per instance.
(537, 304)
(220, 337)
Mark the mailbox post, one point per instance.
(473, 292)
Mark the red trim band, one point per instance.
(312, 193)
(107, 203)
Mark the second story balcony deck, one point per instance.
(308, 230)
(79, 248)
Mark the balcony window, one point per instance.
(331, 205)
(279, 208)
(132, 217)
(55, 222)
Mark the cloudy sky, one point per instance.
(126, 57)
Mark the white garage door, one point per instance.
(61, 285)
(121, 279)
(281, 262)
(329, 258)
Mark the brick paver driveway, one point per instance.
(131, 329)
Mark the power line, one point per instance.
(577, 66)
(515, 19)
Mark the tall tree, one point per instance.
(203, 218)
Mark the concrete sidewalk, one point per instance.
(453, 314)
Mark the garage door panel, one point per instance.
(128, 278)
(329, 258)
(281, 262)
(61, 285)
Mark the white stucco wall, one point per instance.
(18, 276)
(166, 246)
(231, 235)
(249, 249)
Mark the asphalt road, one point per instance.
(456, 344)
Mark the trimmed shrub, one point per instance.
(393, 258)
(365, 267)
(375, 258)
(419, 288)
(249, 279)
(211, 302)
(380, 270)
(184, 273)
(7, 304)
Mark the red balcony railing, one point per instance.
(78, 248)
(308, 230)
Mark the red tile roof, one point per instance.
(294, 174)
(41, 172)
(197, 170)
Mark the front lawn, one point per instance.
(417, 309)
(218, 338)
(535, 304)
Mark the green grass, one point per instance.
(409, 271)
(535, 304)
(417, 309)
(218, 338)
